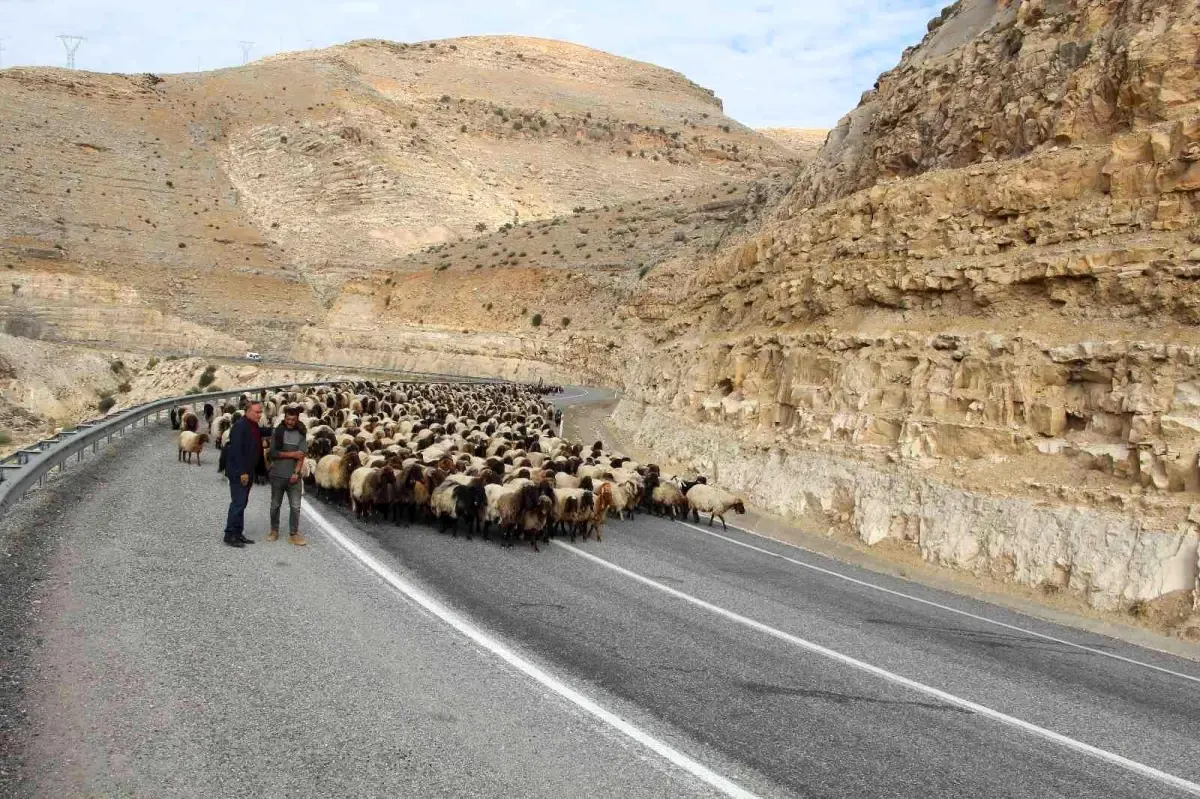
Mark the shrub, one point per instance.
(106, 404)
(192, 390)
(125, 388)
(117, 366)
(642, 272)
(5, 437)
(536, 321)
(480, 227)
(206, 377)
(517, 125)
(445, 98)
(463, 129)
(579, 209)
(566, 320)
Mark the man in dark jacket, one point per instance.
(241, 460)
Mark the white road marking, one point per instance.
(473, 632)
(931, 603)
(950, 699)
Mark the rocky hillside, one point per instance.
(221, 211)
(968, 329)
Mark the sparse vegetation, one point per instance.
(536, 321)
(106, 403)
(117, 366)
(125, 388)
(153, 362)
(5, 438)
(566, 320)
(642, 272)
(206, 377)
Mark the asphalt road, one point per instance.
(661, 661)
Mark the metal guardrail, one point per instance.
(28, 467)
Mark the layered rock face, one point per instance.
(222, 211)
(971, 325)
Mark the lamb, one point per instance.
(189, 443)
(623, 497)
(714, 501)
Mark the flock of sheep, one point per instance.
(479, 457)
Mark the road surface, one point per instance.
(663, 661)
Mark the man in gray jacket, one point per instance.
(289, 443)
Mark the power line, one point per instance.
(246, 51)
(71, 43)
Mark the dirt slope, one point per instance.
(219, 211)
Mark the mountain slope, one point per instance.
(222, 210)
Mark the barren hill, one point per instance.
(221, 210)
(805, 142)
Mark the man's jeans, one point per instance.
(239, 496)
(279, 485)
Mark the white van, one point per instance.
(253, 356)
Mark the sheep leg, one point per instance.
(197, 458)
(712, 515)
(695, 515)
(723, 527)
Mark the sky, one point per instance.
(787, 63)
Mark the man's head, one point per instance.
(291, 416)
(254, 412)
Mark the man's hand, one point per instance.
(293, 478)
(245, 479)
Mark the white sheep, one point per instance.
(189, 443)
(714, 501)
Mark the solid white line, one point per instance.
(893, 592)
(470, 630)
(948, 698)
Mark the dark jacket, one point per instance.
(243, 451)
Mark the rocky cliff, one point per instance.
(971, 325)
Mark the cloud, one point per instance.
(800, 63)
(359, 7)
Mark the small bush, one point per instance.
(566, 320)
(106, 404)
(480, 227)
(536, 321)
(153, 362)
(192, 390)
(117, 366)
(517, 125)
(579, 209)
(463, 129)
(445, 98)
(5, 437)
(642, 272)
(172, 358)
(206, 377)
(125, 388)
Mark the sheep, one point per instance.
(363, 482)
(452, 502)
(573, 509)
(623, 497)
(190, 421)
(666, 498)
(333, 472)
(714, 501)
(189, 443)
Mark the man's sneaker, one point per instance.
(272, 536)
(297, 539)
(233, 542)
